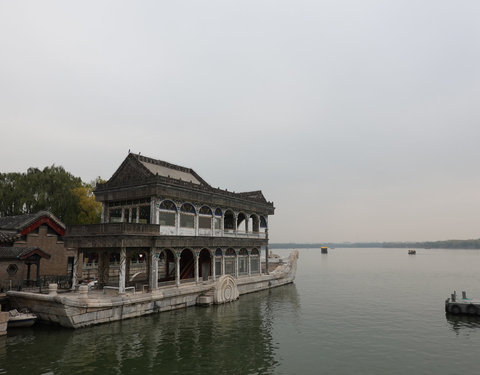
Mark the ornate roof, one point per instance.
(136, 166)
(137, 170)
(21, 252)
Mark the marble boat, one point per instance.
(167, 240)
(85, 307)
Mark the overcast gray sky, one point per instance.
(359, 119)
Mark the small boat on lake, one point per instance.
(20, 319)
(324, 250)
(412, 252)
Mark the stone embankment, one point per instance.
(86, 307)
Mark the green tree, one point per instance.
(52, 189)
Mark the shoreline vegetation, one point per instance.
(448, 244)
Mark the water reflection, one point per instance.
(235, 338)
(462, 323)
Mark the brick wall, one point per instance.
(51, 244)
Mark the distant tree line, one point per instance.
(52, 189)
(448, 244)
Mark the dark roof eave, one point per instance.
(104, 189)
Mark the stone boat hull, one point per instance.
(86, 308)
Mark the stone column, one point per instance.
(177, 269)
(236, 264)
(153, 270)
(195, 221)
(74, 269)
(222, 224)
(102, 215)
(177, 221)
(152, 212)
(128, 263)
(266, 253)
(235, 228)
(195, 259)
(122, 270)
(249, 265)
(213, 267)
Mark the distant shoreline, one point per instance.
(449, 244)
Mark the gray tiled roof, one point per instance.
(8, 237)
(19, 222)
(19, 252)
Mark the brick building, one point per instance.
(31, 246)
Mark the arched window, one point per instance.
(168, 205)
(230, 262)
(243, 252)
(263, 222)
(255, 223)
(204, 264)
(218, 219)
(218, 261)
(242, 262)
(166, 265)
(241, 220)
(205, 218)
(188, 208)
(255, 261)
(229, 220)
(230, 252)
(187, 267)
(167, 214)
(187, 216)
(205, 210)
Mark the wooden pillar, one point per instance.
(38, 271)
(122, 271)
(28, 272)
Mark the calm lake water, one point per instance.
(352, 311)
